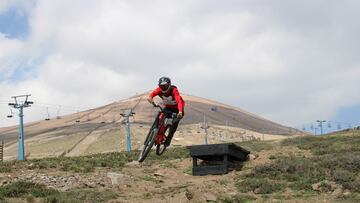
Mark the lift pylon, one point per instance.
(21, 105)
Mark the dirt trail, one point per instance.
(169, 182)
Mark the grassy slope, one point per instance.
(283, 171)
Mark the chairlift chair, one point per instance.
(102, 118)
(11, 113)
(48, 115)
(78, 117)
(214, 108)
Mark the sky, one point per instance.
(293, 62)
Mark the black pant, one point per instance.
(174, 125)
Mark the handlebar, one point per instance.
(163, 110)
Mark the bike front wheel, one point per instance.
(148, 144)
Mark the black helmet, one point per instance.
(164, 84)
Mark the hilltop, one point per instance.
(100, 129)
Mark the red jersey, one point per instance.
(171, 99)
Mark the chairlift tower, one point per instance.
(48, 114)
(21, 105)
(205, 126)
(321, 125)
(126, 116)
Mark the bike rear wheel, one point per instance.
(149, 142)
(160, 149)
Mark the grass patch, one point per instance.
(6, 167)
(170, 154)
(259, 186)
(151, 178)
(257, 146)
(82, 195)
(147, 195)
(188, 170)
(23, 188)
(335, 158)
(238, 198)
(30, 191)
(86, 164)
(168, 164)
(322, 145)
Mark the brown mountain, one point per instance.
(65, 135)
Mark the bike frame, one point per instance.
(161, 137)
(162, 126)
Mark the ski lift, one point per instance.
(214, 108)
(11, 113)
(102, 118)
(48, 115)
(78, 117)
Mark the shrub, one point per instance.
(6, 167)
(79, 196)
(23, 188)
(259, 186)
(290, 169)
(238, 198)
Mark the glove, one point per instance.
(180, 115)
(150, 100)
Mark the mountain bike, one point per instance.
(158, 132)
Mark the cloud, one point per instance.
(11, 56)
(292, 62)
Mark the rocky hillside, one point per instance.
(301, 169)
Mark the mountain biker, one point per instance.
(172, 100)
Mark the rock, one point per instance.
(117, 178)
(209, 197)
(347, 193)
(257, 191)
(133, 163)
(90, 185)
(327, 186)
(189, 195)
(30, 166)
(338, 192)
(159, 174)
(251, 157)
